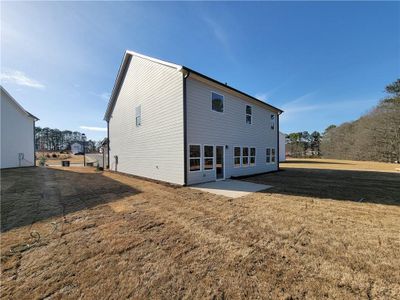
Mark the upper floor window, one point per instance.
(138, 116)
(272, 122)
(217, 102)
(248, 114)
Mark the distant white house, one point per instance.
(282, 146)
(76, 148)
(17, 134)
(170, 123)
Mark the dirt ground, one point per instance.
(69, 233)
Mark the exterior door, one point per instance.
(219, 162)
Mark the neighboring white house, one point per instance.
(170, 123)
(17, 134)
(282, 146)
(76, 148)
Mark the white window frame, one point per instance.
(250, 156)
(250, 115)
(199, 158)
(273, 156)
(235, 156)
(138, 115)
(267, 155)
(272, 120)
(223, 102)
(204, 157)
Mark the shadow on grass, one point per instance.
(30, 195)
(359, 186)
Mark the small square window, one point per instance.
(194, 151)
(237, 151)
(245, 151)
(217, 102)
(195, 164)
(237, 161)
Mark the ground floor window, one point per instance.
(268, 155)
(245, 156)
(208, 157)
(272, 155)
(194, 157)
(252, 156)
(236, 156)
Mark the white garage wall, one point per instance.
(17, 132)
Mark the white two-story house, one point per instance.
(170, 123)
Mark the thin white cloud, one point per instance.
(306, 106)
(19, 78)
(220, 35)
(91, 128)
(262, 96)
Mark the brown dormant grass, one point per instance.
(105, 235)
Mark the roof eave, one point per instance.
(279, 111)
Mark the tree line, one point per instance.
(49, 139)
(374, 136)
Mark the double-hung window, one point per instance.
(248, 114)
(272, 155)
(245, 156)
(252, 156)
(268, 156)
(208, 157)
(194, 157)
(236, 156)
(272, 122)
(217, 102)
(138, 112)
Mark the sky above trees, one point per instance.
(321, 62)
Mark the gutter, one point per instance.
(108, 145)
(185, 150)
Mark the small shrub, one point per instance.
(48, 155)
(54, 155)
(42, 161)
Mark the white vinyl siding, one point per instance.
(138, 119)
(155, 148)
(17, 134)
(228, 129)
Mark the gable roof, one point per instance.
(124, 68)
(3, 90)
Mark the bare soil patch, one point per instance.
(105, 235)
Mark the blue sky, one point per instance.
(322, 62)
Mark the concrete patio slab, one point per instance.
(230, 188)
